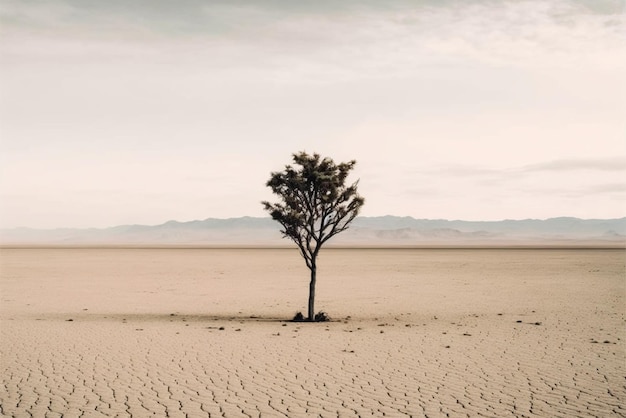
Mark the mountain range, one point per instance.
(368, 231)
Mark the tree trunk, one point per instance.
(312, 292)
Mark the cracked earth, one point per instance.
(548, 349)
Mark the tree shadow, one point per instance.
(162, 317)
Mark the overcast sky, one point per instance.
(139, 112)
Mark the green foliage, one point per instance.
(315, 202)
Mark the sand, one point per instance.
(416, 332)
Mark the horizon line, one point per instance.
(269, 218)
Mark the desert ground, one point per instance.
(191, 332)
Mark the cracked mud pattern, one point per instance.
(494, 363)
(94, 367)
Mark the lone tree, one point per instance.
(315, 206)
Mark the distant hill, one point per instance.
(563, 230)
(370, 231)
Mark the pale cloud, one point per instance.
(179, 110)
(611, 164)
(615, 188)
(607, 164)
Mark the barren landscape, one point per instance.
(415, 332)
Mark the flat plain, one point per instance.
(192, 332)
